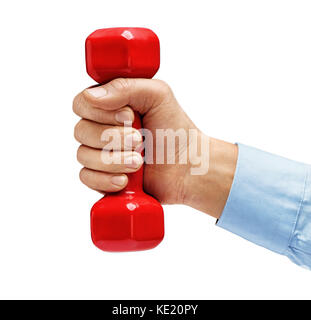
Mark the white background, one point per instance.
(240, 69)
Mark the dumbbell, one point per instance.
(129, 220)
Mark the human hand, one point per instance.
(108, 106)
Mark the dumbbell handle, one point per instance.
(135, 179)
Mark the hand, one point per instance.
(108, 106)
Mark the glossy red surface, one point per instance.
(129, 220)
(122, 53)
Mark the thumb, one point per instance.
(140, 94)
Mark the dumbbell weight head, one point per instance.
(122, 53)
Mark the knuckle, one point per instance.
(77, 104)
(80, 154)
(162, 92)
(87, 178)
(120, 84)
(77, 131)
(163, 87)
(83, 175)
(80, 130)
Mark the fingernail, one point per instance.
(123, 116)
(132, 140)
(132, 162)
(97, 92)
(118, 180)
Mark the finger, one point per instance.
(117, 161)
(100, 136)
(102, 181)
(84, 109)
(140, 94)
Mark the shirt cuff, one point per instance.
(265, 198)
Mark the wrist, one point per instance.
(209, 192)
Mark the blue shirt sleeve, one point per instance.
(270, 204)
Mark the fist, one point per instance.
(107, 107)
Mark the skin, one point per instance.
(107, 106)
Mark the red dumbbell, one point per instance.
(129, 220)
